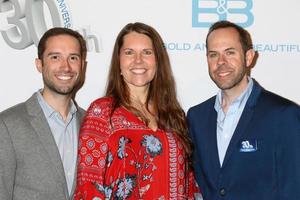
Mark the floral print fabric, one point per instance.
(121, 158)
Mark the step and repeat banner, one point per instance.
(183, 24)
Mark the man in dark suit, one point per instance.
(39, 138)
(246, 139)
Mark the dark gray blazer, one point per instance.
(30, 164)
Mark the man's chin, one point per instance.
(223, 85)
(64, 91)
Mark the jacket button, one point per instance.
(222, 191)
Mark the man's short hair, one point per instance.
(61, 31)
(245, 38)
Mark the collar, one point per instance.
(48, 110)
(237, 102)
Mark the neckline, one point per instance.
(139, 120)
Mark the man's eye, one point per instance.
(230, 52)
(54, 57)
(212, 55)
(74, 58)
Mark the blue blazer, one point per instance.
(262, 161)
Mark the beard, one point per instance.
(62, 90)
(231, 83)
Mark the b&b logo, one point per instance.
(206, 12)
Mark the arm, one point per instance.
(195, 155)
(92, 157)
(288, 154)
(7, 164)
(193, 188)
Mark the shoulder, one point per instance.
(101, 104)
(266, 99)
(276, 109)
(13, 118)
(13, 112)
(96, 122)
(18, 117)
(81, 110)
(100, 109)
(202, 107)
(277, 102)
(104, 101)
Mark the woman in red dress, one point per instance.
(134, 142)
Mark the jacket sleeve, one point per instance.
(288, 154)
(7, 163)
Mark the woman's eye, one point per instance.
(128, 52)
(148, 52)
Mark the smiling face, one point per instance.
(61, 65)
(137, 60)
(226, 59)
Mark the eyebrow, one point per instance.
(230, 48)
(53, 53)
(125, 48)
(58, 53)
(75, 54)
(128, 48)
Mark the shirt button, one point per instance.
(222, 191)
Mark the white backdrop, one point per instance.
(183, 24)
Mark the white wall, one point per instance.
(275, 32)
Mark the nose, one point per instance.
(65, 64)
(138, 58)
(221, 59)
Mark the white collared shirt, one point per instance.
(65, 134)
(226, 123)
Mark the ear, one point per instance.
(39, 65)
(250, 54)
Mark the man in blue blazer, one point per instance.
(246, 139)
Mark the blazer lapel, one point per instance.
(243, 122)
(43, 131)
(212, 141)
(80, 114)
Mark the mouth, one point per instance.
(138, 71)
(223, 74)
(64, 77)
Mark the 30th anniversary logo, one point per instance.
(23, 22)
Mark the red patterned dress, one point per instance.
(122, 158)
